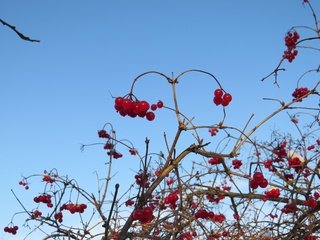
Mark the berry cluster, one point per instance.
(291, 52)
(280, 152)
(213, 131)
(204, 214)
(295, 163)
(272, 193)
(236, 163)
(142, 179)
(300, 93)
(171, 199)
(13, 230)
(114, 154)
(103, 134)
(48, 179)
(44, 198)
(311, 203)
(24, 184)
(59, 217)
(268, 164)
(258, 180)
(221, 98)
(129, 202)
(73, 208)
(290, 208)
(144, 215)
(36, 214)
(215, 160)
(215, 198)
(133, 108)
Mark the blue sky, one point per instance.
(55, 95)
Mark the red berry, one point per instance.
(226, 99)
(263, 183)
(150, 116)
(159, 104)
(218, 93)
(118, 101)
(217, 100)
(154, 107)
(127, 105)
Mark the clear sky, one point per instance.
(55, 95)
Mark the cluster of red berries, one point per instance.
(215, 198)
(290, 208)
(13, 230)
(268, 164)
(187, 235)
(236, 163)
(204, 214)
(221, 98)
(172, 199)
(59, 217)
(272, 193)
(144, 215)
(103, 134)
(280, 152)
(44, 198)
(295, 163)
(36, 214)
(74, 208)
(142, 179)
(300, 93)
(48, 179)
(24, 184)
(310, 237)
(218, 235)
(114, 154)
(215, 160)
(258, 180)
(290, 40)
(213, 131)
(311, 203)
(129, 202)
(133, 108)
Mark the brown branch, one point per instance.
(21, 35)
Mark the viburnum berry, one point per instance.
(218, 93)
(226, 99)
(129, 202)
(150, 116)
(153, 107)
(159, 104)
